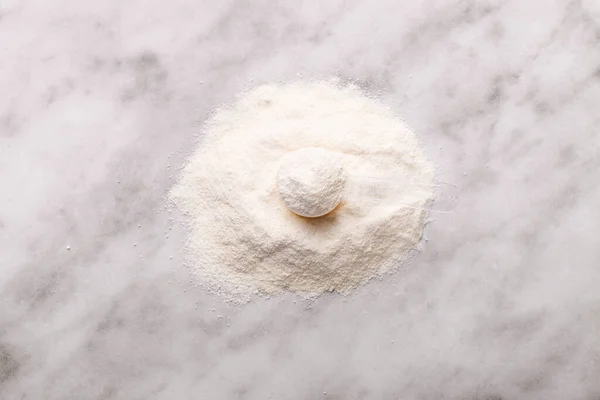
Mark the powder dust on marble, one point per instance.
(238, 192)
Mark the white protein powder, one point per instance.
(244, 240)
(311, 181)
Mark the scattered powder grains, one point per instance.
(283, 153)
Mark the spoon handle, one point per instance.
(409, 194)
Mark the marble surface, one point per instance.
(100, 102)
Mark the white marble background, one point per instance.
(98, 98)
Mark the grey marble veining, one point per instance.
(100, 102)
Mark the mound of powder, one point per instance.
(245, 240)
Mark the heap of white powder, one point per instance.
(285, 152)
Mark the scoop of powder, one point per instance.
(311, 181)
(237, 192)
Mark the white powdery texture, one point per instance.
(245, 241)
